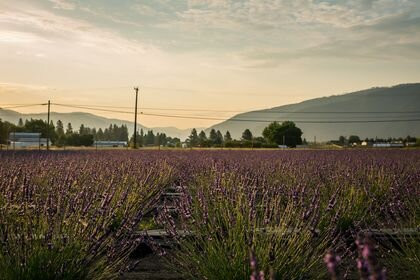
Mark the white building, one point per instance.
(388, 145)
(26, 140)
(110, 144)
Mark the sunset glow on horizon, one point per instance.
(221, 55)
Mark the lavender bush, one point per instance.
(289, 208)
(72, 216)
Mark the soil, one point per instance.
(151, 267)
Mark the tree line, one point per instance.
(151, 139)
(275, 134)
(356, 140)
(84, 135)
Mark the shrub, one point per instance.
(73, 218)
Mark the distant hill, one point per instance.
(90, 120)
(401, 98)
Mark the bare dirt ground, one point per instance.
(151, 267)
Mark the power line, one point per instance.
(265, 121)
(241, 120)
(268, 111)
(18, 106)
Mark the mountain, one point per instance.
(90, 120)
(400, 98)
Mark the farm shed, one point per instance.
(110, 144)
(388, 145)
(26, 140)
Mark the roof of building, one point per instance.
(25, 134)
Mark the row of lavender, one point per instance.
(75, 215)
(289, 208)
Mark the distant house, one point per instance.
(26, 140)
(389, 145)
(302, 146)
(397, 144)
(382, 145)
(367, 144)
(283, 146)
(110, 144)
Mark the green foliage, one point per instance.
(354, 139)
(283, 134)
(247, 135)
(193, 140)
(79, 140)
(213, 137)
(73, 220)
(5, 129)
(42, 262)
(227, 137)
(227, 224)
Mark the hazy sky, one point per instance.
(210, 54)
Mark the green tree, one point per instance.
(5, 129)
(76, 139)
(59, 129)
(193, 138)
(227, 137)
(100, 135)
(69, 129)
(141, 138)
(247, 135)
(82, 130)
(354, 139)
(219, 138)
(213, 136)
(286, 133)
(149, 138)
(202, 139)
(20, 124)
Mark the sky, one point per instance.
(212, 54)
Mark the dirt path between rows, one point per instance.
(151, 267)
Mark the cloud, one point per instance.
(22, 25)
(63, 4)
(394, 37)
(275, 13)
(17, 37)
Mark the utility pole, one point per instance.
(48, 126)
(135, 118)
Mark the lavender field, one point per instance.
(349, 214)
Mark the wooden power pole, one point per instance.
(48, 126)
(135, 118)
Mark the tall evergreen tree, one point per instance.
(227, 137)
(69, 129)
(59, 129)
(100, 135)
(149, 139)
(202, 139)
(82, 130)
(213, 136)
(219, 138)
(193, 138)
(247, 135)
